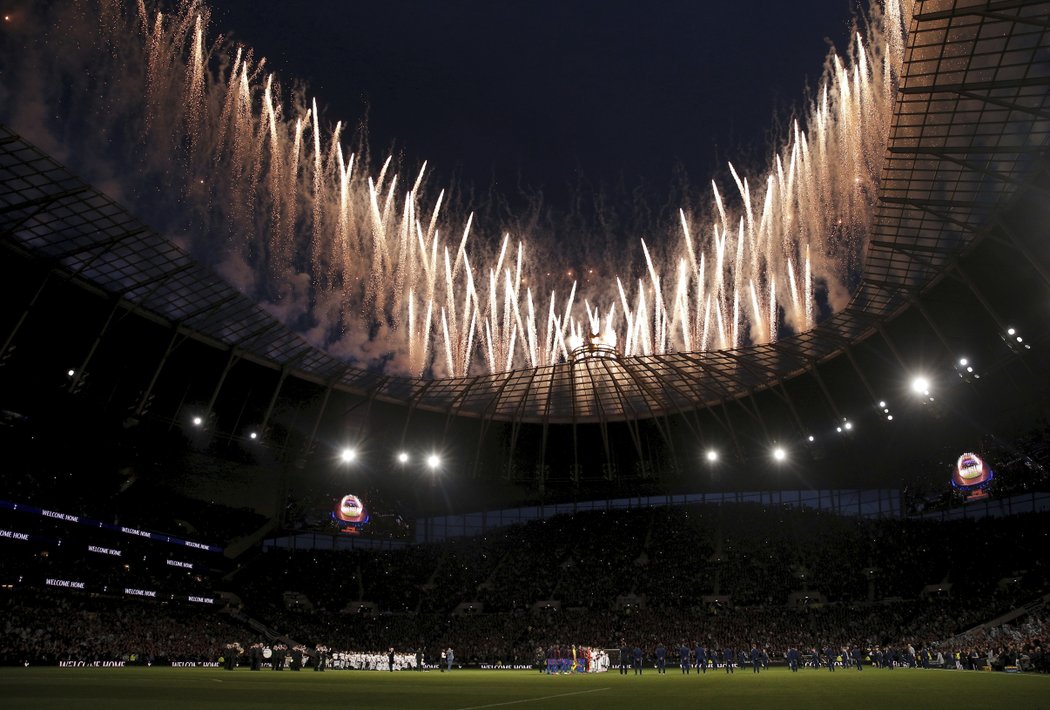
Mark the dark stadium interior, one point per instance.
(606, 482)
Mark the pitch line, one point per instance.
(533, 700)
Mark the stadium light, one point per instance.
(1015, 342)
(712, 455)
(197, 421)
(348, 455)
(811, 438)
(885, 410)
(779, 454)
(920, 385)
(253, 435)
(964, 369)
(402, 457)
(70, 372)
(433, 461)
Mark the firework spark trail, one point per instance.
(274, 178)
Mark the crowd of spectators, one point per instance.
(739, 574)
(54, 627)
(40, 627)
(512, 638)
(1019, 644)
(735, 575)
(36, 548)
(672, 558)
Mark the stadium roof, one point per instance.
(969, 134)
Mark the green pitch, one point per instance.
(161, 688)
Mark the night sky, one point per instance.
(552, 94)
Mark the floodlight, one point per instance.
(347, 455)
(712, 455)
(402, 457)
(433, 461)
(779, 454)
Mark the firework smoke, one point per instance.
(377, 266)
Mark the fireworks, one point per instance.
(377, 268)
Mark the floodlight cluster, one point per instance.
(432, 460)
(884, 409)
(921, 387)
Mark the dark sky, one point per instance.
(617, 89)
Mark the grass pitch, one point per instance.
(162, 688)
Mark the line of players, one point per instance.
(277, 657)
(590, 660)
(575, 660)
(701, 658)
(320, 658)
